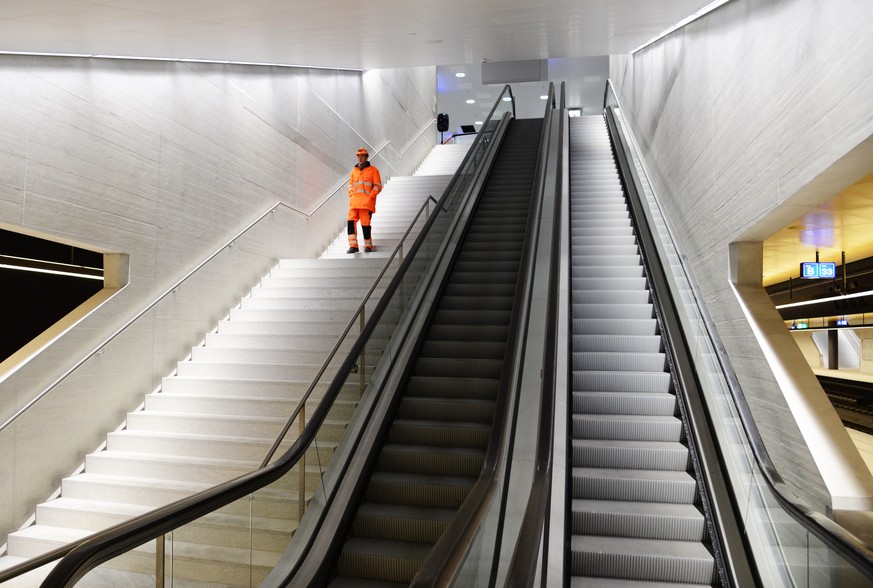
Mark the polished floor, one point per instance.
(863, 441)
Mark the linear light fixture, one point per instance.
(828, 299)
(49, 267)
(178, 59)
(687, 20)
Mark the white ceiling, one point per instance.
(338, 33)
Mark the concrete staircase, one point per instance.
(217, 416)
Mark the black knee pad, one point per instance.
(366, 231)
(351, 228)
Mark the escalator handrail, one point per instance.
(828, 531)
(523, 566)
(105, 545)
(446, 557)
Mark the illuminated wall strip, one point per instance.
(685, 21)
(178, 59)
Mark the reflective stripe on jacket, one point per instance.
(364, 185)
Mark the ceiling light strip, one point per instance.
(828, 299)
(178, 59)
(685, 21)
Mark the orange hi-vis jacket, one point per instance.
(364, 185)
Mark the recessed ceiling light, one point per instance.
(506, 98)
(471, 101)
(478, 122)
(460, 74)
(544, 97)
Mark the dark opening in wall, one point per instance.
(41, 282)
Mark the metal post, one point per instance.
(363, 360)
(159, 561)
(301, 501)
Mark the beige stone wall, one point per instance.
(165, 162)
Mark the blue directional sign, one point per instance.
(815, 270)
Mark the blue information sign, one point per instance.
(814, 270)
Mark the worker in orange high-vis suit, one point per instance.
(365, 183)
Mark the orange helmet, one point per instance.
(362, 151)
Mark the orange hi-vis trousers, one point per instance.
(363, 215)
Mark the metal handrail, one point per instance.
(83, 555)
(359, 315)
(828, 531)
(444, 560)
(135, 317)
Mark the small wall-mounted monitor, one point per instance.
(468, 129)
(816, 270)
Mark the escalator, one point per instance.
(434, 448)
(636, 510)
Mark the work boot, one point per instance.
(368, 249)
(352, 250)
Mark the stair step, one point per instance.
(612, 311)
(621, 454)
(619, 361)
(418, 489)
(643, 520)
(637, 343)
(458, 366)
(440, 433)
(634, 485)
(626, 403)
(627, 427)
(612, 381)
(642, 559)
(395, 522)
(432, 460)
(391, 561)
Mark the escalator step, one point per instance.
(484, 277)
(468, 410)
(483, 290)
(613, 311)
(468, 333)
(644, 520)
(481, 350)
(612, 284)
(642, 559)
(627, 427)
(453, 367)
(627, 403)
(621, 382)
(418, 489)
(634, 485)
(476, 302)
(440, 433)
(472, 317)
(375, 559)
(599, 272)
(619, 361)
(395, 522)
(641, 343)
(439, 461)
(631, 455)
(452, 387)
(588, 582)
(617, 297)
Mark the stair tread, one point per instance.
(622, 507)
(405, 511)
(387, 548)
(639, 547)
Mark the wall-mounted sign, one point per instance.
(816, 270)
